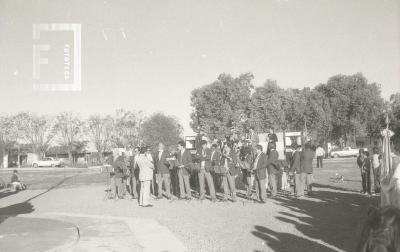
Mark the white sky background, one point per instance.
(168, 48)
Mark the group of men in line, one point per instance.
(214, 166)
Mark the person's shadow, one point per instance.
(329, 222)
(25, 207)
(280, 241)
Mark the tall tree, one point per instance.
(268, 107)
(127, 128)
(10, 133)
(394, 106)
(38, 132)
(354, 103)
(221, 108)
(101, 129)
(161, 128)
(70, 128)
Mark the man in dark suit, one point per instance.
(133, 174)
(273, 168)
(185, 163)
(161, 165)
(205, 171)
(260, 170)
(122, 162)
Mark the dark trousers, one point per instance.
(163, 179)
(117, 187)
(319, 161)
(366, 181)
(246, 180)
(132, 185)
(174, 181)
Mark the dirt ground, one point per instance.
(327, 221)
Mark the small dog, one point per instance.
(339, 178)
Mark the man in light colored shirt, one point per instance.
(320, 153)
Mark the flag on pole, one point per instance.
(386, 167)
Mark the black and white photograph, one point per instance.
(199, 125)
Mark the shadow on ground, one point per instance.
(26, 206)
(331, 221)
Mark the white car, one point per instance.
(345, 152)
(47, 162)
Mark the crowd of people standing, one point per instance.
(174, 172)
(370, 166)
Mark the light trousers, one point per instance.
(274, 184)
(299, 184)
(144, 198)
(206, 176)
(184, 185)
(228, 182)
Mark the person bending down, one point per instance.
(16, 184)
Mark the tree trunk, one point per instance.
(18, 157)
(70, 157)
(2, 153)
(101, 156)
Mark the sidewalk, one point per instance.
(36, 234)
(80, 232)
(102, 225)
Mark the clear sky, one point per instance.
(149, 55)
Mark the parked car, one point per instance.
(345, 152)
(47, 162)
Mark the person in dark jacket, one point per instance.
(117, 182)
(205, 155)
(162, 171)
(366, 173)
(184, 159)
(306, 167)
(133, 174)
(122, 163)
(273, 168)
(361, 165)
(229, 161)
(260, 166)
(246, 159)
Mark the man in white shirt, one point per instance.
(320, 153)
